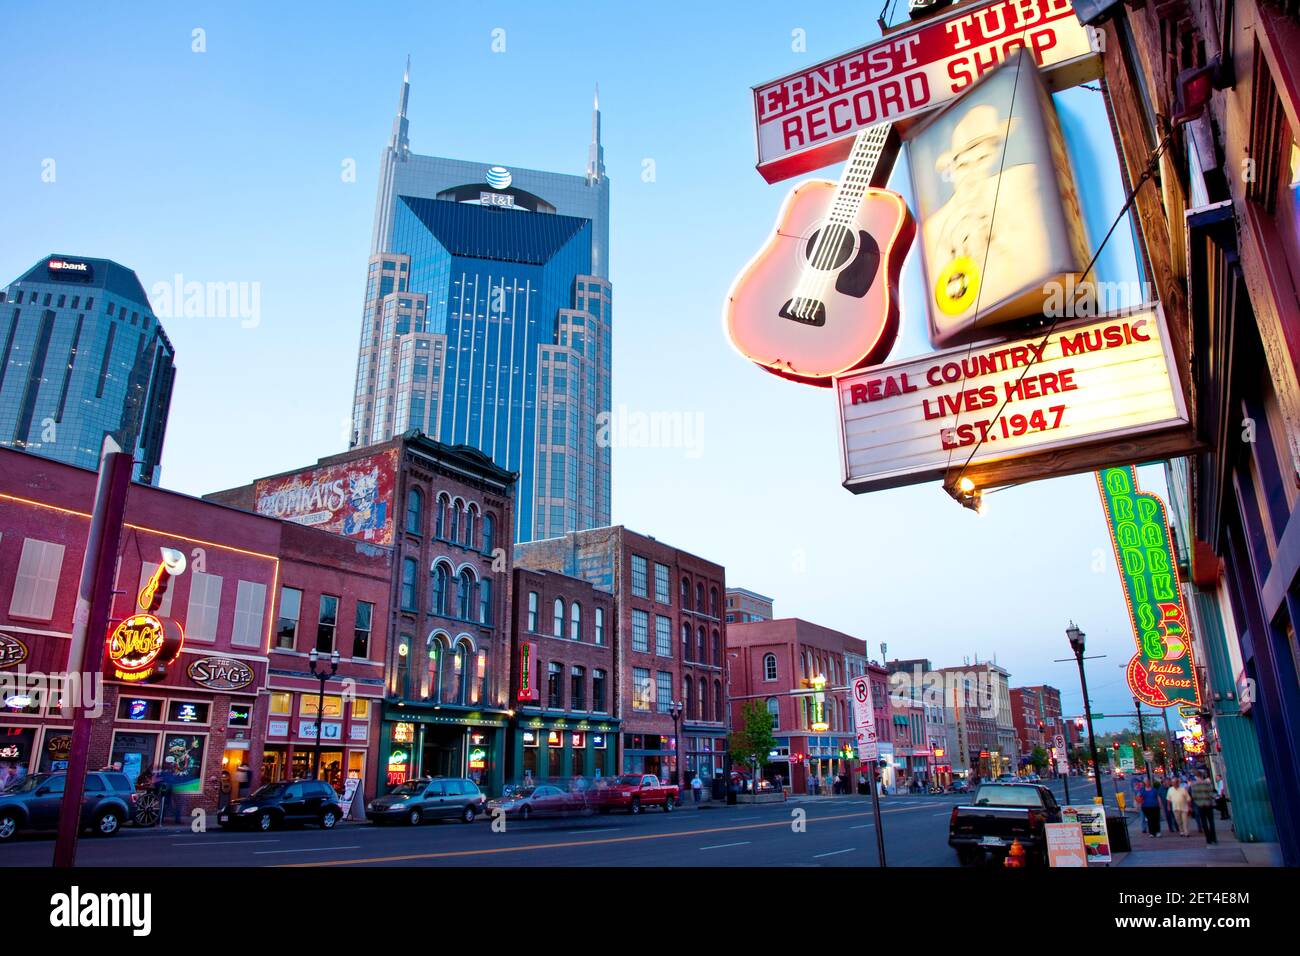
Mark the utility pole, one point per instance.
(89, 625)
(1142, 733)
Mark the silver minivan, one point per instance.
(441, 798)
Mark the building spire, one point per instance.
(399, 142)
(595, 152)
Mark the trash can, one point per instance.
(1117, 830)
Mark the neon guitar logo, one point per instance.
(821, 297)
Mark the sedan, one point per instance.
(527, 802)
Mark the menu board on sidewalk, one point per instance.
(1092, 820)
(1065, 846)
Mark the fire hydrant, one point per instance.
(1016, 855)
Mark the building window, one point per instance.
(600, 625)
(489, 533)
(327, 623)
(717, 649)
(414, 511)
(578, 688)
(686, 642)
(639, 582)
(286, 626)
(686, 594)
(439, 519)
(38, 580)
(456, 508)
(662, 591)
(575, 621)
(774, 711)
(557, 622)
(532, 612)
(361, 633)
(485, 601)
(598, 691)
(713, 602)
(703, 657)
(554, 692)
(470, 515)
(688, 696)
(465, 594)
(250, 611)
(769, 667)
(640, 631)
(204, 608)
(441, 583)
(663, 691)
(663, 636)
(699, 598)
(640, 688)
(401, 680)
(409, 571)
(704, 700)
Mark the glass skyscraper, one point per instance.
(487, 322)
(82, 355)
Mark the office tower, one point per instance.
(487, 322)
(83, 356)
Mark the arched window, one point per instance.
(769, 667)
(558, 623)
(699, 598)
(704, 700)
(485, 601)
(441, 582)
(461, 663)
(470, 517)
(465, 594)
(479, 692)
(575, 621)
(415, 511)
(439, 519)
(400, 685)
(600, 625)
(713, 602)
(686, 642)
(703, 647)
(686, 594)
(774, 711)
(456, 508)
(719, 713)
(410, 569)
(687, 696)
(431, 688)
(717, 648)
(489, 533)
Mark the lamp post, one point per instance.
(1076, 637)
(321, 675)
(675, 711)
(1142, 732)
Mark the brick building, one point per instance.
(668, 640)
(562, 679)
(204, 717)
(445, 513)
(1036, 712)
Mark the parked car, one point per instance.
(437, 798)
(526, 802)
(634, 792)
(33, 803)
(1000, 815)
(958, 786)
(287, 801)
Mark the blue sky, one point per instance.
(227, 166)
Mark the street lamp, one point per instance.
(1076, 637)
(675, 711)
(321, 675)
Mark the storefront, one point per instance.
(442, 741)
(345, 738)
(561, 750)
(706, 753)
(650, 753)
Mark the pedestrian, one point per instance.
(1151, 810)
(1222, 802)
(1164, 802)
(1180, 801)
(697, 786)
(1203, 796)
(1137, 802)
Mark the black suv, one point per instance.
(441, 798)
(33, 803)
(288, 801)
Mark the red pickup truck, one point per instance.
(634, 792)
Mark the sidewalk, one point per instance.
(1170, 849)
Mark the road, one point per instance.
(836, 832)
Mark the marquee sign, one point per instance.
(12, 651)
(140, 647)
(528, 691)
(1162, 672)
(808, 119)
(220, 673)
(1091, 380)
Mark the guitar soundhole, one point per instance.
(834, 252)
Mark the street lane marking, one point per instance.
(723, 846)
(594, 830)
(206, 843)
(309, 849)
(818, 856)
(448, 854)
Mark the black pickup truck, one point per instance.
(1000, 814)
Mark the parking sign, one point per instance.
(864, 719)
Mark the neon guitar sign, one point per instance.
(821, 297)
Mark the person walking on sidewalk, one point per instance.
(1170, 822)
(1180, 802)
(1138, 787)
(1151, 810)
(1203, 796)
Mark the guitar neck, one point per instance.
(868, 147)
